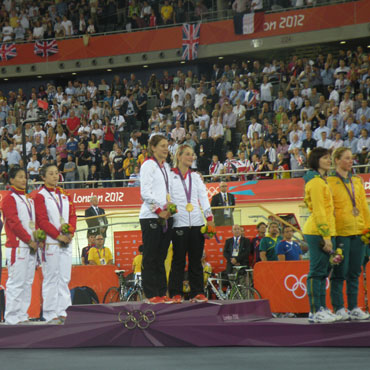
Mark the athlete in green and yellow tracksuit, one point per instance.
(269, 242)
(318, 229)
(352, 217)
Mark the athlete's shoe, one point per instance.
(322, 316)
(168, 300)
(330, 313)
(342, 314)
(200, 298)
(55, 321)
(177, 299)
(155, 300)
(358, 314)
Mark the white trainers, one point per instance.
(310, 317)
(342, 314)
(322, 316)
(330, 313)
(358, 314)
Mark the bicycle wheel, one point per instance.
(241, 292)
(112, 295)
(135, 296)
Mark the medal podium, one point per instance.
(215, 323)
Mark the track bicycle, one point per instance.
(241, 281)
(128, 290)
(117, 294)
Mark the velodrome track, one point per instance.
(216, 358)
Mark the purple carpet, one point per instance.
(217, 323)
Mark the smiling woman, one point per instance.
(155, 187)
(188, 191)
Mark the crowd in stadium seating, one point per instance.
(245, 118)
(28, 20)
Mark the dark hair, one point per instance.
(287, 226)
(44, 169)
(314, 157)
(260, 224)
(141, 248)
(14, 170)
(154, 141)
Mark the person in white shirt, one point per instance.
(189, 194)
(7, 32)
(203, 117)
(254, 127)
(295, 143)
(266, 90)
(33, 167)
(155, 219)
(118, 121)
(345, 103)
(363, 141)
(199, 98)
(333, 95)
(179, 91)
(178, 133)
(324, 142)
(215, 168)
(67, 25)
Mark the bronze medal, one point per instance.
(355, 211)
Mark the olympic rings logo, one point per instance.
(298, 285)
(136, 319)
(212, 191)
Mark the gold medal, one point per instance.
(355, 211)
(168, 197)
(32, 225)
(62, 221)
(189, 207)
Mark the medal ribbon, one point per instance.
(28, 206)
(164, 173)
(60, 207)
(352, 196)
(187, 191)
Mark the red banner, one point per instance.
(245, 192)
(284, 285)
(302, 20)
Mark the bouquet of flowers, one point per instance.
(336, 257)
(39, 236)
(366, 236)
(66, 229)
(170, 207)
(209, 232)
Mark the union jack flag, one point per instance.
(7, 51)
(46, 48)
(190, 41)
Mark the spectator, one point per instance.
(100, 255)
(236, 250)
(85, 251)
(288, 249)
(223, 199)
(97, 225)
(269, 242)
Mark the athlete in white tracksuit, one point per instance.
(19, 219)
(54, 208)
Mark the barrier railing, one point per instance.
(276, 174)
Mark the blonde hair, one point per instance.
(180, 150)
(337, 154)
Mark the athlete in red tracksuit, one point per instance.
(53, 209)
(20, 223)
